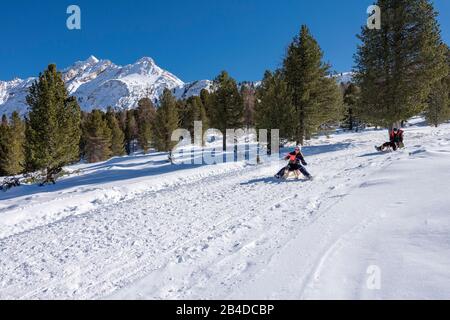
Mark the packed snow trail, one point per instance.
(231, 235)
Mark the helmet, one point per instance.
(298, 148)
(395, 129)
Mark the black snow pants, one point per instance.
(392, 145)
(292, 168)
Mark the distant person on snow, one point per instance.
(396, 141)
(296, 163)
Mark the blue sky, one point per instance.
(194, 39)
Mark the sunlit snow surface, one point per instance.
(137, 228)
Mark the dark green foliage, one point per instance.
(53, 125)
(438, 110)
(226, 108)
(316, 97)
(146, 115)
(97, 136)
(3, 142)
(397, 66)
(131, 131)
(193, 110)
(438, 104)
(84, 118)
(248, 94)
(273, 109)
(117, 135)
(351, 94)
(14, 161)
(206, 98)
(166, 122)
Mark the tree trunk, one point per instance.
(224, 140)
(350, 119)
(392, 126)
(300, 132)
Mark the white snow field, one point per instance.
(370, 226)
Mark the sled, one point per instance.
(296, 174)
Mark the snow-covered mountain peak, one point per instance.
(98, 84)
(92, 60)
(146, 61)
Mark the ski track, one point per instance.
(218, 231)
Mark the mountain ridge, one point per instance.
(99, 84)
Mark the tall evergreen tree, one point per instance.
(248, 93)
(53, 125)
(183, 113)
(397, 65)
(227, 109)
(122, 117)
(12, 159)
(146, 115)
(117, 135)
(131, 131)
(98, 138)
(166, 122)
(206, 98)
(438, 104)
(195, 111)
(84, 119)
(274, 109)
(315, 95)
(351, 93)
(438, 110)
(71, 120)
(4, 132)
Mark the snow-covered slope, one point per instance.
(13, 95)
(98, 84)
(193, 89)
(136, 227)
(344, 77)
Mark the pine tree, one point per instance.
(4, 132)
(438, 104)
(71, 121)
(122, 117)
(351, 93)
(438, 110)
(131, 131)
(98, 138)
(84, 119)
(12, 160)
(166, 122)
(248, 93)
(206, 98)
(274, 109)
(195, 111)
(183, 113)
(315, 95)
(146, 114)
(227, 109)
(397, 65)
(53, 124)
(117, 135)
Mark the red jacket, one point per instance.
(396, 137)
(296, 158)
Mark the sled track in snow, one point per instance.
(96, 253)
(144, 264)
